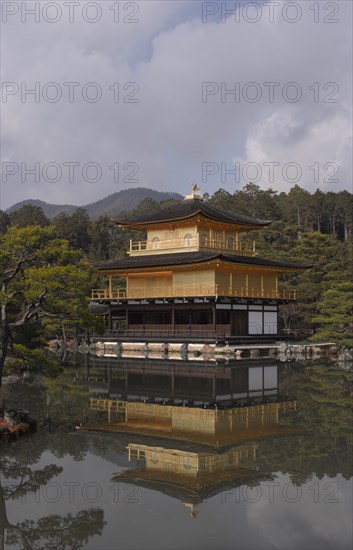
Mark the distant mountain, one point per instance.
(50, 210)
(114, 204)
(126, 200)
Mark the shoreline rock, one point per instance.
(282, 351)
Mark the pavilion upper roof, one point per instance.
(188, 489)
(189, 208)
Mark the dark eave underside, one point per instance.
(187, 489)
(189, 208)
(187, 258)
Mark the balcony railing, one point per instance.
(192, 243)
(188, 291)
(106, 294)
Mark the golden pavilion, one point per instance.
(193, 277)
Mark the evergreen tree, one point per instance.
(335, 314)
(75, 228)
(4, 221)
(43, 282)
(29, 215)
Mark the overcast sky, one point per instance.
(132, 94)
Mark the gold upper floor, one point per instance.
(192, 238)
(191, 244)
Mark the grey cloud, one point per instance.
(170, 131)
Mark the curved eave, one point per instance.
(179, 260)
(98, 309)
(144, 225)
(189, 489)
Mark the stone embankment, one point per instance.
(280, 351)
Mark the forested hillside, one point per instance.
(114, 204)
(309, 228)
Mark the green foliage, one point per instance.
(329, 267)
(313, 229)
(330, 213)
(45, 286)
(4, 221)
(69, 531)
(29, 215)
(24, 479)
(325, 416)
(102, 233)
(75, 228)
(335, 314)
(36, 360)
(68, 399)
(326, 401)
(146, 206)
(108, 241)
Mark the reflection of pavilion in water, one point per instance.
(194, 382)
(213, 404)
(193, 425)
(191, 476)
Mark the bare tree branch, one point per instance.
(32, 309)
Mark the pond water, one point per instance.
(248, 455)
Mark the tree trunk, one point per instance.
(4, 523)
(5, 332)
(5, 338)
(333, 229)
(64, 352)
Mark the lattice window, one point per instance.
(203, 239)
(188, 239)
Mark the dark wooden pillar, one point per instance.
(173, 318)
(214, 384)
(127, 317)
(109, 380)
(172, 389)
(278, 332)
(189, 383)
(126, 382)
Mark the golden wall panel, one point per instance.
(199, 420)
(201, 277)
(239, 280)
(270, 280)
(254, 280)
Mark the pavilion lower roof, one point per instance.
(189, 258)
